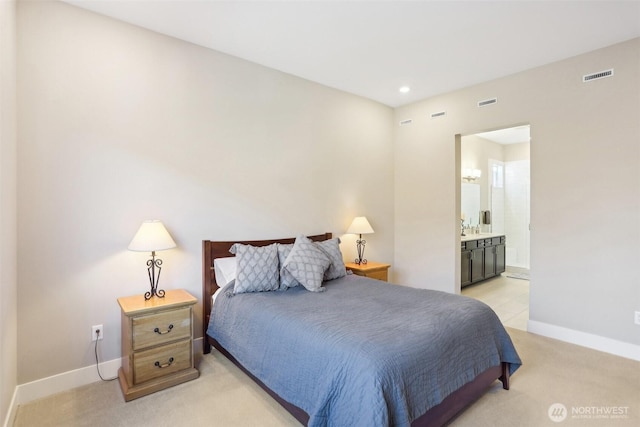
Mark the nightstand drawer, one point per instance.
(379, 275)
(160, 361)
(161, 328)
(372, 270)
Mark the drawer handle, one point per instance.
(157, 330)
(165, 365)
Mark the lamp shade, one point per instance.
(360, 225)
(151, 236)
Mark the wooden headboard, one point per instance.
(212, 250)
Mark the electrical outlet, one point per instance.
(97, 331)
(637, 318)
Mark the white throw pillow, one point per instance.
(224, 270)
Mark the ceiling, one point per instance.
(372, 48)
(506, 136)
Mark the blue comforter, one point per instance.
(363, 353)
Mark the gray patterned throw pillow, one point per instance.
(257, 268)
(307, 263)
(286, 279)
(331, 248)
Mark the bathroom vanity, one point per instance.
(483, 257)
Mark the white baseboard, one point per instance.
(44, 387)
(11, 413)
(596, 342)
(65, 381)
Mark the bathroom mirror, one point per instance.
(470, 203)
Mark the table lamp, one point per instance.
(152, 237)
(360, 226)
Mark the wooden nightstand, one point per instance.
(373, 270)
(157, 343)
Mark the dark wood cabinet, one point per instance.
(489, 260)
(465, 268)
(477, 264)
(481, 259)
(501, 264)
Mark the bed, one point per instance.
(324, 374)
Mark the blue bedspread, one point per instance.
(363, 353)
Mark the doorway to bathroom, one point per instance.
(495, 193)
(495, 170)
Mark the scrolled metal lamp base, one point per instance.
(154, 278)
(360, 245)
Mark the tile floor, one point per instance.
(507, 296)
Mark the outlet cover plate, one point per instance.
(95, 328)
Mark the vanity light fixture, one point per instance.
(152, 236)
(470, 175)
(360, 226)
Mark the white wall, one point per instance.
(118, 124)
(515, 152)
(8, 279)
(475, 153)
(585, 188)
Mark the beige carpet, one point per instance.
(588, 383)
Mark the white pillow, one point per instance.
(224, 270)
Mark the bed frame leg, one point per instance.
(505, 376)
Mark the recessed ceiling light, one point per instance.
(404, 89)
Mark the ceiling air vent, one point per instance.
(438, 114)
(598, 75)
(406, 122)
(487, 102)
